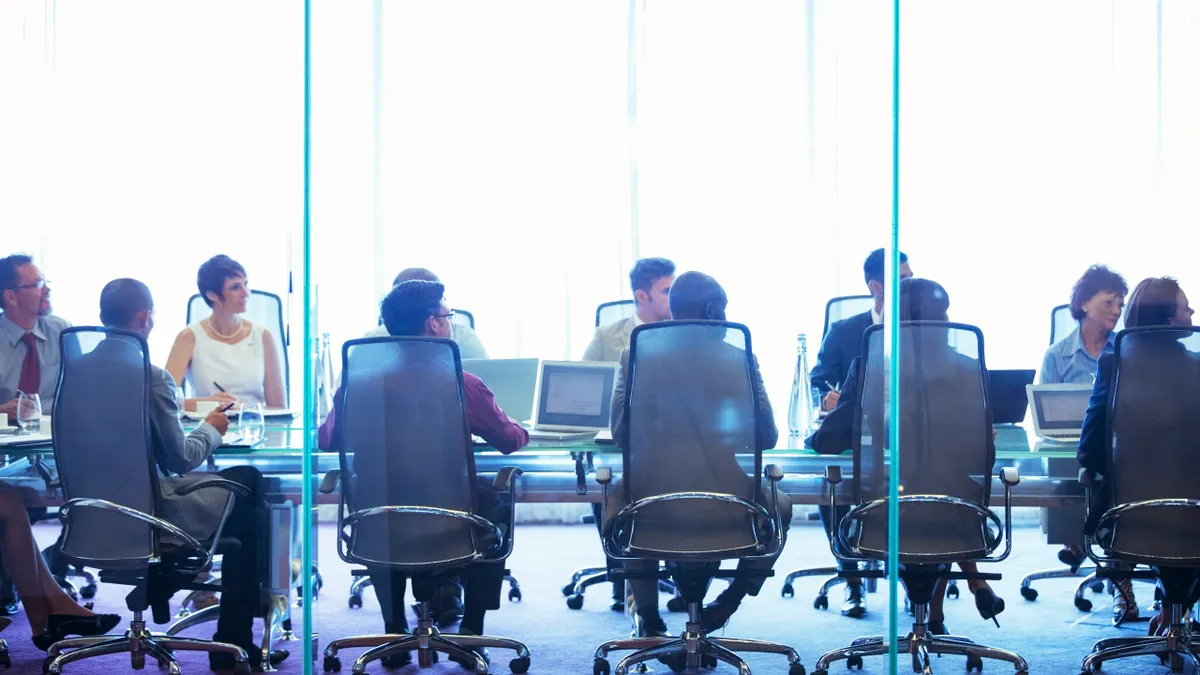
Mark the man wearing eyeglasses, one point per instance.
(29, 351)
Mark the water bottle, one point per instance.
(324, 379)
(800, 407)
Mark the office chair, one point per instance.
(693, 512)
(610, 312)
(836, 309)
(1061, 323)
(464, 318)
(1145, 510)
(945, 458)
(408, 499)
(112, 517)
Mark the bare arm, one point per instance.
(181, 355)
(273, 388)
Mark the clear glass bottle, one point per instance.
(800, 406)
(325, 379)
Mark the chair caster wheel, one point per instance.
(575, 601)
(46, 665)
(568, 590)
(242, 668)
(333, 664)
(822, 602)
(854, 663)
(952, 592)
(519, 665)
(1098, 587)
(1029, 593)
(5, 660)
(677, 663)
(665, 586)
(821, 671)
(796, 669)
(88, 591)
(1083, 604)
(514, 595)
(974, 664)
(355, 601)
(600, 667)
(788, 591)
(676, 605)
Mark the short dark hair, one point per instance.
(1154, 302)
(647, 271)
(409, 304)
(1097, 279)
(9, 278)
(415, 274)
(923, 300)
(873, 265)
(214, 272)
(691, 293)
(121, 300)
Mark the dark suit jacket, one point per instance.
(836, 433)
(842, 344)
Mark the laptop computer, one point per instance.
(1058, 410)
(1007, 395)
(573, 399)
(512, 382)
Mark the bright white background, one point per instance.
(493, 143)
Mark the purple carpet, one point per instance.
(1050, 632)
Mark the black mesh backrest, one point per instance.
(404, 439)
(946, 445)
(1154, 404)
(102, 444)
(616, 310)
(263, 309)
(691, 407)
(846, 307)
(464, 318)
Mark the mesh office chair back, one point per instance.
(846, 307)
(404, 440)
(614, 311)
(1154, 404)
(464, 318)
(690, 409)
(946, 445)
(263, 309)
(102, 446)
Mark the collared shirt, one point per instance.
(12, 355)
(487, 420)
(1068, 361)
(876, 317)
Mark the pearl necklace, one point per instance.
(232, 335)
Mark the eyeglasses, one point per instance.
(449, 315)
(39, 284)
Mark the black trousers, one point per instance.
(244, 571)
(482, 582)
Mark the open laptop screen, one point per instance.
(1060, 409)
(575, 394)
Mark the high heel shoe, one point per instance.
(989, 604)
(60, 626)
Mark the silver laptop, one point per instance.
(1058, 410)
(573, 399)
(512, 382)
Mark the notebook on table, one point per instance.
(1058, 410)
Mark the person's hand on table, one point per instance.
(9, 408)
(219, 421)
(830, 401)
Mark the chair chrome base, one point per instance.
(362, 583)
(1177, 646)
(428, 642)
(920, 643)
(690, 647)
(138, 643)
(273, 624)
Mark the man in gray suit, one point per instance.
(703, 371)
(128, 305)
(650, 280)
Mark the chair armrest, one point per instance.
(1010, 476)
(1087, 478)
(773, 473)
(473, 520)
(833, 475)
(604, 475)
(330, 482)
(505, 476)
(228, 485)
(64, 514)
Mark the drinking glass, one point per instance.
(251, 422)
(29, 413)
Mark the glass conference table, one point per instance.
(563, 471)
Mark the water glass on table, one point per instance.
(251, 422)
(29, 413)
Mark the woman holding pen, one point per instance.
(225, 357)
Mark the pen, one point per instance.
(220, 388)
(832, 387)
(227, 407)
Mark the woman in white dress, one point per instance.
(225, 357)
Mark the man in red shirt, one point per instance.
(416, 308)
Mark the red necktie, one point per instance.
(31, 371)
